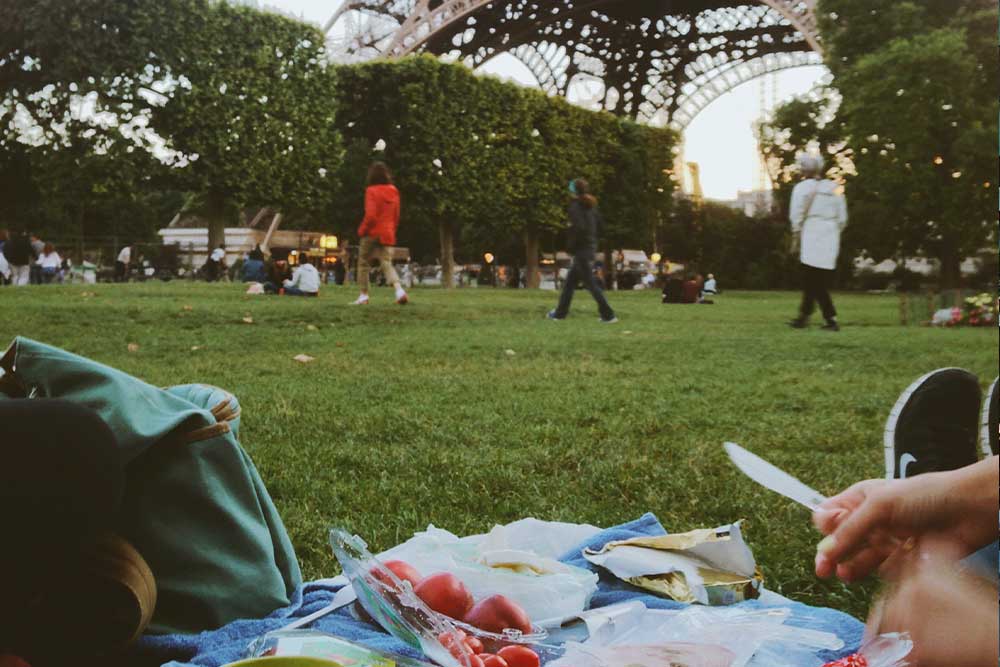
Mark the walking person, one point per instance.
(585, 222)
(122, 264)
(20, 255)
(818, 215)
(378, 232)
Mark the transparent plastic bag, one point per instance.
(501, 563)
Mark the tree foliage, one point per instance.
(227, 102)
(915, 133)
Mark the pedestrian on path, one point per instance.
(585, 223)
(818, 215)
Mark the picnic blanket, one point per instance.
(227, 644)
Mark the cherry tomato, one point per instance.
(497, 613)
(490, 660)
(404, 571)
(474, 644)
(519, 656)
(445, 594)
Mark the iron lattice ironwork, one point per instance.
(654, 59)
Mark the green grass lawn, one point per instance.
(467, 409)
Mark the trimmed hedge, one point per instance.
(481, 162)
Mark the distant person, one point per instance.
(585, 223)
(49, 263)
(253, 270)
(711, 286)
(818, 215)
(21, 256)
(215, 267)
(35, 272)
(673, 288)
(377, 232)
(691, 290)
(122, 264)
(305, 281)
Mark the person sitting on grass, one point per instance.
(691, 291)
(305, 281)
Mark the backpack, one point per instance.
(195, 507)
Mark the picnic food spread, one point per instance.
(488, 601)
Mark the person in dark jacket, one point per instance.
(584, 225)
(21, 256)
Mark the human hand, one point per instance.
(951, 618)
(869, 522)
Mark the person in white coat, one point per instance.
(818, 215)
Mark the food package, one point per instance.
(664, 655)
(707, 566)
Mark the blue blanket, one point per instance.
(227, 644)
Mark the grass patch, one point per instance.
(420, 415)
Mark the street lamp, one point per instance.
(489, 262)
(489, 257)
(656, 257)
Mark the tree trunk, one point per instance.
(447, 255)
(951, 269)
(531, 256)
(215, 216)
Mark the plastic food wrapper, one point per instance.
(312, 644)
(708, 566)
(728, 636)
(517, 560)
(393, 605)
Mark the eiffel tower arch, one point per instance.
(656, 60)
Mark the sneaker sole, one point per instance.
(889, 434)
(984, 420)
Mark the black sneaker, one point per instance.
(831, 325)
(932, 427)
(990, 420)
(799, 323)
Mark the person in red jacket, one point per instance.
(378, 232)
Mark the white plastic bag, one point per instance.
(543, 586)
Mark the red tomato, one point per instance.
(458, 648)
(404, 571)
(490, 660)
(445, 594)
(519, 656)
(475, 661)
(474, 644)
(497, 613)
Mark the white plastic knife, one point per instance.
(773, 478)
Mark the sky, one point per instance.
(720, 139)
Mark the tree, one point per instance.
(237, 103)
(919, 116)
